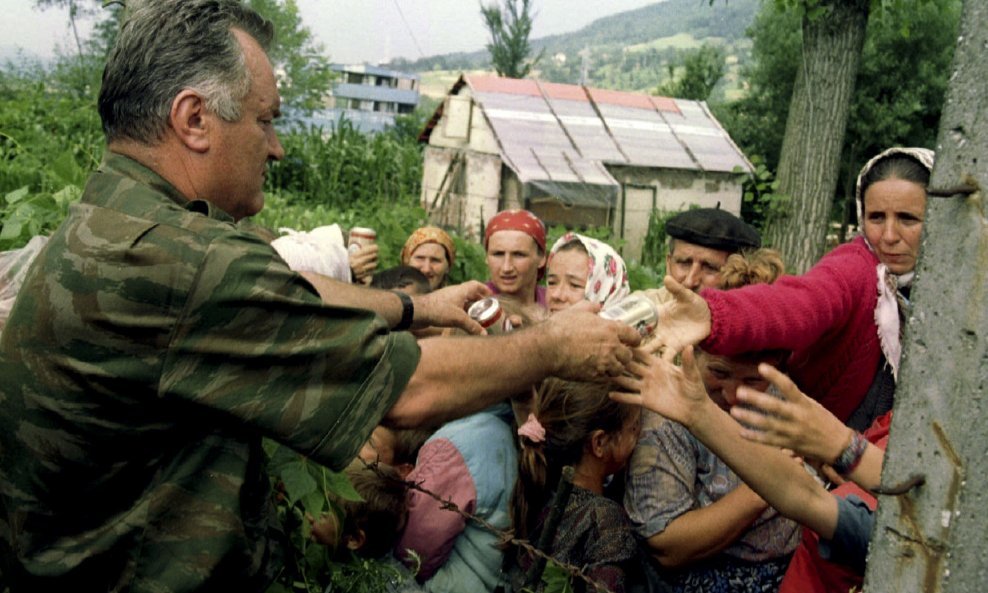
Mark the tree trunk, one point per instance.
(810, 159)
(933, 537)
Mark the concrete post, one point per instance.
(934, 538)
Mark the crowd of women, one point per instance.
(767, 399)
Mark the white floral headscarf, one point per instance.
(890, 309)
(607, 276)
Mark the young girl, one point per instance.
(576, 424)
(584, 269)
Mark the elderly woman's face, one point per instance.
(722, 375)
(893, 222)
(430, 259)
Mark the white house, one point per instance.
(574, 155)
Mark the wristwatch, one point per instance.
(407, 311)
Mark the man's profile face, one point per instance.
(242, 149)
(695, 266)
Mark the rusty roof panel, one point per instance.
(496, 84)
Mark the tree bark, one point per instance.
(810, 159)
(933, 537)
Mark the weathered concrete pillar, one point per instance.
(935, 537)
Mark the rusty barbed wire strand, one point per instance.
(505, 536)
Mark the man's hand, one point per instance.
(585, 346)
(683, 321)
(676, 393)
(446, 307)
(794, 422)
(363, 262)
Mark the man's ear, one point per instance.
(355, 541)
(189, 120)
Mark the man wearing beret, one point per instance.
(700, 241)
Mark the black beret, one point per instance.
(713, 228)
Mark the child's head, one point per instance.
(572, 423)
(403, 278)
(397, 447)
(371, 526)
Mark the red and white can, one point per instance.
(360, 236)
(636, 310)
(489, 314)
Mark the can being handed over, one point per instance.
(636, 310)
(489, 314)
(360, 236)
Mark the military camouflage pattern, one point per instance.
(152, 345)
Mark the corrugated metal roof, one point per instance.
(570, 130)
(560, 136)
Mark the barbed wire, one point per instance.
(504, 536)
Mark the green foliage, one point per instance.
(347, 167)
(898, 97)
(702, 70)
(629, 50)
(510, 25)
(757, 120)
(50, 138)
(556, 580)
(300, 62)
(760, 198)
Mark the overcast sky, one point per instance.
(350, 30)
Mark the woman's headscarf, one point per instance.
(892, 305)
(428, 234)
(517, 220)
(607, 276)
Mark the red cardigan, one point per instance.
(824, 317)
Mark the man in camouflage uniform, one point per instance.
(154, 342)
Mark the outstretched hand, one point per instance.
(683, 321)
(587, 347)
(446, 307)
(674, 392)
(794, 422)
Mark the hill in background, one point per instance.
(626, 51)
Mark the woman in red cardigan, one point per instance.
(842, 319)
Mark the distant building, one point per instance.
(368, 96)
(574, 155)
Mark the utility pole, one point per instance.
(932, 537)
(584, 65)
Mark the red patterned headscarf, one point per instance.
(517, 220)
(428, 234)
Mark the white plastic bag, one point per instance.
(321, 250)
(13, 267)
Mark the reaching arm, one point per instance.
(801, 424)
(443, 308)
(460, 375)
(679, 395)
(703, 532)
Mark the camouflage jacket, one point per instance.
(151, 347)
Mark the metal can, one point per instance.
(489, 314)
(360, 236)
(636, 310)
